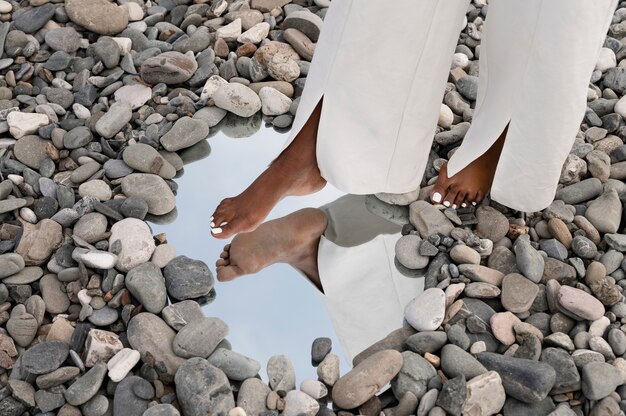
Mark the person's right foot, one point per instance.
(293, 239)
(470, 184)
(294, 172)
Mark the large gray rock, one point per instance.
(186, 278)
(203, 389)
(146, 283)
(199, 338)
(147, 333)
(526, 380)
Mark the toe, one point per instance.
(222, 262)
(228, 273)
(450, 197)
(479, 197)
(471, 198)
(222, 214)
(437, 193)
(459, 200)
(225, 231)
(224, 255)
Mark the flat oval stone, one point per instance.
(518, 293)
(152, 189)
(362, 382)
(580, 303)
(90, 14)
(169, 68)
(10, 264)
(45, 357)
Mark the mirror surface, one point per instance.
(277, 310)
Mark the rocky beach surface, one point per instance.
(101, 106)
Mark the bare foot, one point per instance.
(293, 172)
(472, 183)
(293, 239)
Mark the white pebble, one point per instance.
(121, 363)
(125, 44)
(274, 102)
(80, 111)
(5, 7)
(446, 117)
(16, 179)
(83, 297)
(28, 215)
(459, 60)
(236, 411)
(606, 60)
(314, 388)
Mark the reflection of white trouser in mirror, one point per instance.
(364, 293)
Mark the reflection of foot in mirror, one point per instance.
(472, 183)
(293, 239)
(293, 172)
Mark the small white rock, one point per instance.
(5, 7)
(459, 60)
(23, 124)
(236, 411)
(83, 297)
(314, 388)
(125, 44)
(231, 31)
(80, 111)
(274, 102)
(620, 107)
(95, 258)
(238, 99)
(211, 86)
(446, 117)
(134, 11)
(255, 34)
(121, 363)
(298, 403)
(28, 215)
(134, 95)
(427, 310)
(606, 60)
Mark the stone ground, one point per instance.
(101, 106)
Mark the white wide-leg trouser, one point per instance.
(382, 76)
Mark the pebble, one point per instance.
(363, 381)
(427, 310)
(485, 395)
(525, 380)
(194, 379)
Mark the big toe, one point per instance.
(228, 273)
(225, 231)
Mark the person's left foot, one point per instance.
(293, 239)
(472, 183)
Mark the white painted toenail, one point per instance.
(474, 203)
(464, 205)
(453, 206)
(446, 203)
(211, 219)
(212, 224)
(437, 197)
(216, 231)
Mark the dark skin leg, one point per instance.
(293, 172)
(471, 184)
(293, 239)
